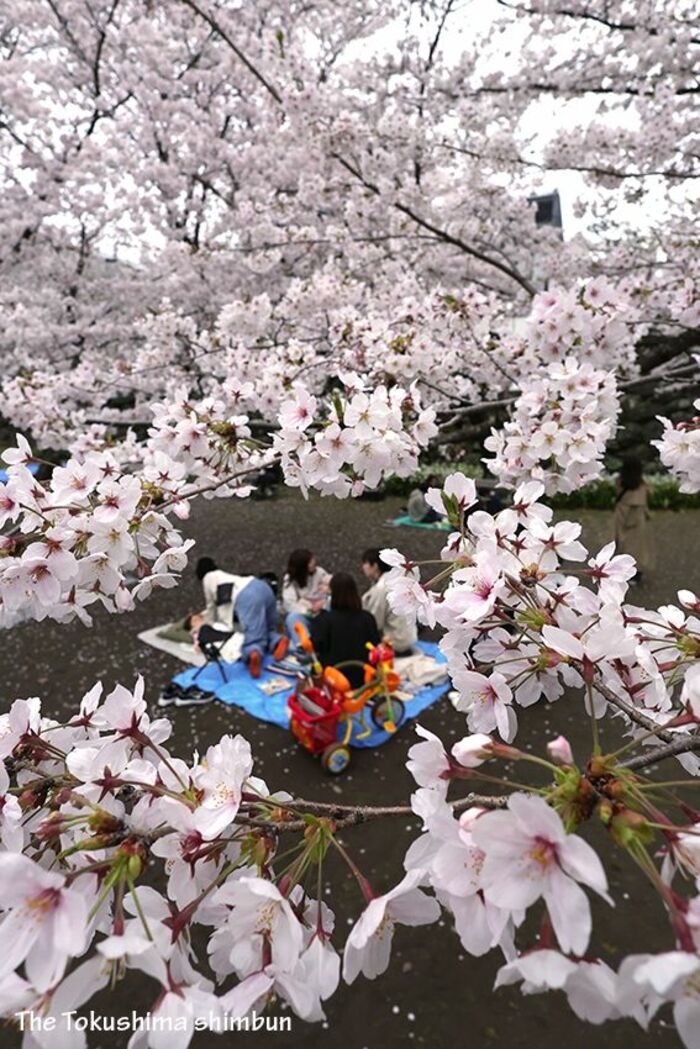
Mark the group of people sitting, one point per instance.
(244, 614)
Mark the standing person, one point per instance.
(632, 531)
(401, 632)
(247, 602)
(304, 589)
(343, 632)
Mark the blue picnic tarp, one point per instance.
(243, 691)
(407, 522)
(5, 477)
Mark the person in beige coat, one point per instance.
(400, 631)
(633, 534)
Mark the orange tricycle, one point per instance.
(326, 713)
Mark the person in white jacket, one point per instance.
(304, 589)
(400, 631)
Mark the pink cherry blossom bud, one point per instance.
(52, 827)
(689, 600)
(472, 751)
(181, 509)
(690, 694)
(560, 751)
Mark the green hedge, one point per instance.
(405, 485)
(599, 495)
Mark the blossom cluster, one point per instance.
(89, 806)
(679, 449)
(596, 321)
(365, 437)
(92, 806)
(561, 423)
(527, 613)
(489, 867)
(104, 526)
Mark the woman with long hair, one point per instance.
(304, 589)
(343, 631)
(632, 532)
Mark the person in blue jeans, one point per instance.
(253, 610)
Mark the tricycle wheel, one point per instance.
(388, 714)
(336, 758)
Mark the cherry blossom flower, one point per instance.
(612, 572)
(259, 914)
(647, 981)
(591, 987)
(473, 751)
(44, 923)
(487, 702)
(11, 832)
(298, 414)
(224, 771)
(482, 587)
(368, 947)
(679, 449)
(528, 855)
(428, 761)
(457, 489)
(690, 694)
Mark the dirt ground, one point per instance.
(433, 994)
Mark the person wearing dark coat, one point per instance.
(343, 632)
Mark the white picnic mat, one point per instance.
(179, 649)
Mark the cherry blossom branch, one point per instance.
(633, 713)
(689, 744)
(441, 234)
(218, 28)
(355, 814)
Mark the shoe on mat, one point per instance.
(193, 697)
(255, 663)
(281, 648)
(169, 695)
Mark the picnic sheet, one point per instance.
(5, 477)
(241, 690)
(181, 650)
(406, 522)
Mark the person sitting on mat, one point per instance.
(418, 508)
(342, 632)
(203, 633)
(253, 609)
(218, 587)
(401, 632)
(304, 589)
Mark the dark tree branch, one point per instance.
(657, 348)
(681, 745)
(441, 234)
(213, 24)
